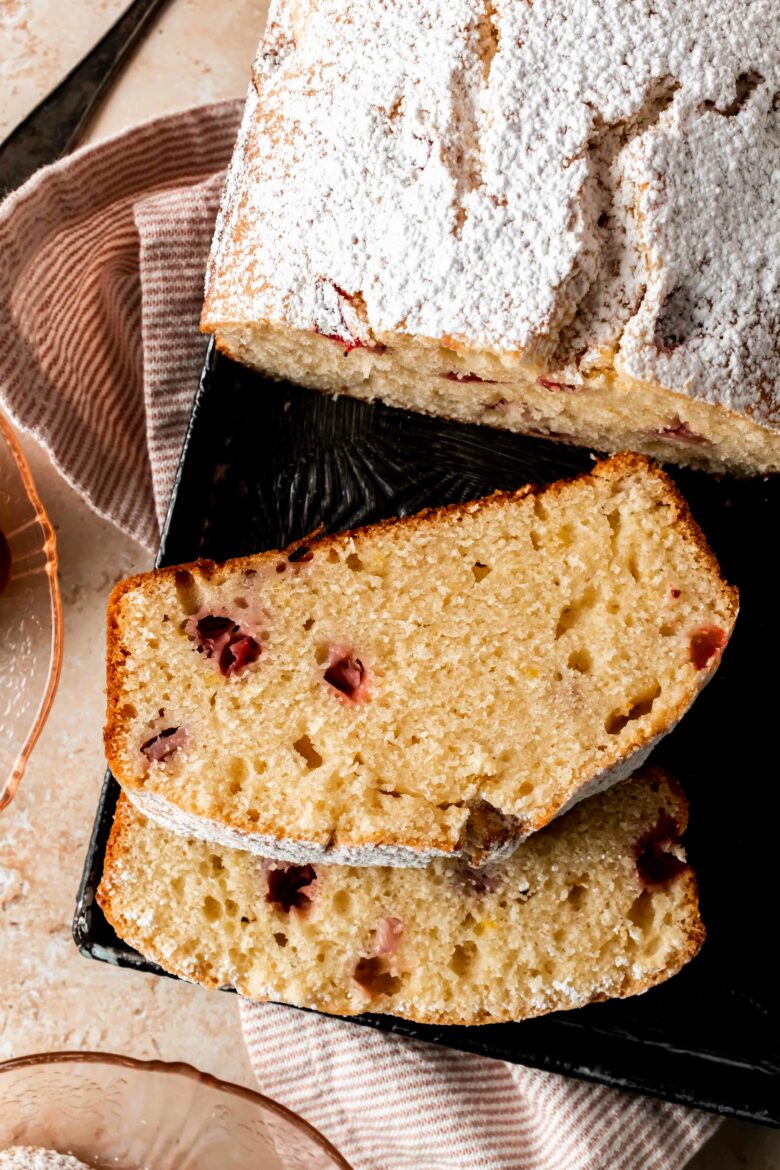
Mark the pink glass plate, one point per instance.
(111, 1111)
(30, 614)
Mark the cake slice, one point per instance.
(442, 684)
(597, 905)
(555, 218)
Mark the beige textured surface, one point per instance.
(195, 52)
(49, 996)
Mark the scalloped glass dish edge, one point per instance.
(178, 1070)
(9, 784)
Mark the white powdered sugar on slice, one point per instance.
(479, 169)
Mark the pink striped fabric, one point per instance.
(101, 269)
(393, 1104)
(100, 374)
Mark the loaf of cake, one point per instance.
(599, 904)
(442, 684)
(37, 1158)
(559, 218)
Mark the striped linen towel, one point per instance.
(101, 264)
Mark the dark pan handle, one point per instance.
(55, 125)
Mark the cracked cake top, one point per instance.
(574, 182)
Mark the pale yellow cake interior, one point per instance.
(566, 920)
(515, 651)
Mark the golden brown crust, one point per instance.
(117, 848)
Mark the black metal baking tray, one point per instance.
(266, 463)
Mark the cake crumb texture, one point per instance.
(439, 685)
(599, 904)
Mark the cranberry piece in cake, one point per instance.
(474, 881)
(240, 652)
(337, 319)
(568, 387)
(375, 974)
(212, 633)
(705, 644)
(681, 433)
(163, 745)
(388, 935)
(346, 674)
(220, 637)
(347, 343)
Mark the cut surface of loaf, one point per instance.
(445, 683)
(597, 905)
(37, 1158)
(556, 218)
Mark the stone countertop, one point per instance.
(51, 998)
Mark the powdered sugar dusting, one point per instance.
(441, 159)
(708, 200)
(37, 1158)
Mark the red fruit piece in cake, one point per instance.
(346, 675)
(241, 652)
(706, 643)
(376, 974)
(221, 638)
(680, 432)
(212, 632)
(388, 936)
(290, 887)
(474, 881)
(348, 343)
(164, 744)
